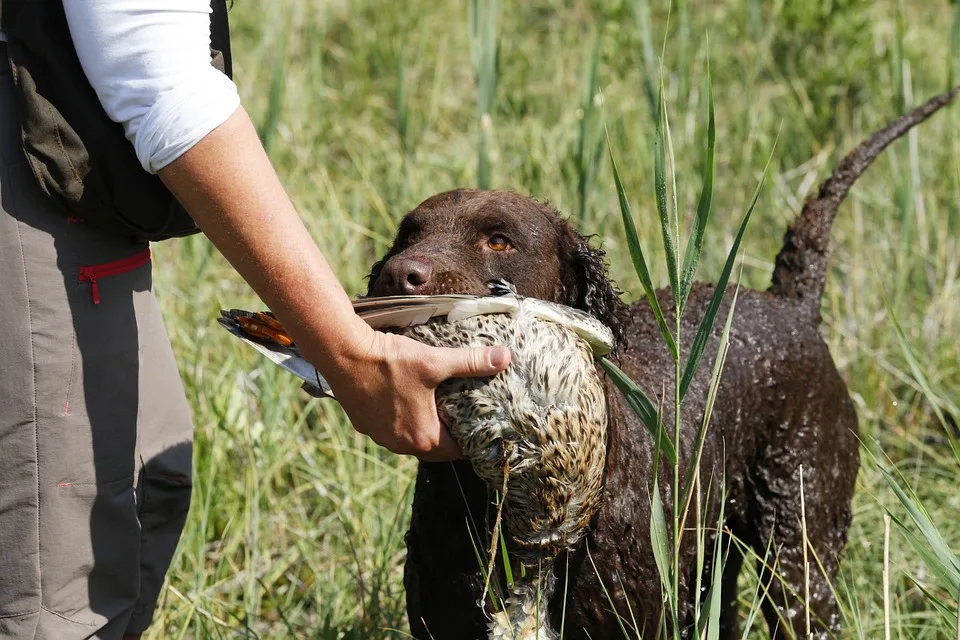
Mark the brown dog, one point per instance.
(783, 414)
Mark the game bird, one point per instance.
(535, 433)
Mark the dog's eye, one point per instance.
(498, 242)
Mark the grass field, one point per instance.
(369, 106)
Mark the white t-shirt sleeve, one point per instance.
(149, 62)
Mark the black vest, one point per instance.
(80, 157)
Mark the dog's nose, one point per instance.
(406, 276)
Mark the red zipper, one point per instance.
(93, 272)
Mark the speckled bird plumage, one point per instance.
(538, 428)
(542, 421)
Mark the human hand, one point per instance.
(387, 388)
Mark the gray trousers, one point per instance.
(95, 430)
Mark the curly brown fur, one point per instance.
(782, 411)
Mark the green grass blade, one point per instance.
(711, 399)
(586, 141)
(673, 249)
(923, 551)
(691, 257)
(934, 399)
(641, 12)
(948, 615)
(642, 406)
(666, 33)
(661, 143)
(897, 60)
(402, 107)
(483, 155)
(683, 50)
(714, 595)
(633, 618)
(275, 97)
(504, 555)
(706, 324)
(636, 255)
(484, 51)
(566, 589)
(753, 612)
(497, 606)
(606, 592)
(946, 564)
(661, 547)
(954, 45)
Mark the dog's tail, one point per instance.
(801, 266)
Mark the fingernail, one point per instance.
(499, 357)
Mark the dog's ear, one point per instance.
(595, 292)
(585, 283)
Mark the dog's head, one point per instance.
(461, 240)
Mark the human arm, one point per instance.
(228, 185)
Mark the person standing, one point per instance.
(95, 430)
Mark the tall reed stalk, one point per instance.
(686, 482)
(485, 54)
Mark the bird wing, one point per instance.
(262, 332)
(387, 302)
(407, 311)
(598, 335)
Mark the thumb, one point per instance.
(470, 363)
